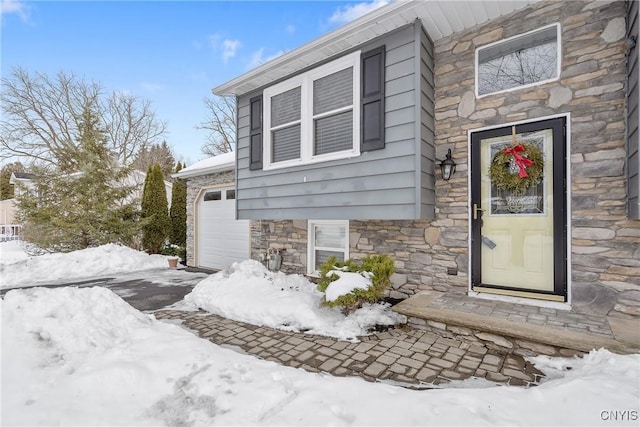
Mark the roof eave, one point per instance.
(230, 88)
(204, 171)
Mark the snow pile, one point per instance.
(250, 293)
(12, 252)
(84, 357)
(92, 262)
(346, 283)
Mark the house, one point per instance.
(9, 227)
(215, 239)
(533, 105)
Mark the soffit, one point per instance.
(440, 18)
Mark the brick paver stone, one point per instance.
(375, 369)
(408, 356)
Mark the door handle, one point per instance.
(476, 209)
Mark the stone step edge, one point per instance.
(418, 306)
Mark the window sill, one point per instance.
(319, 159)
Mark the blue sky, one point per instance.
(170, 52)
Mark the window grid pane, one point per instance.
(285, 107)
(330, 236)
(333, 133)
(333, 91)
(323, 256)
(285, 143)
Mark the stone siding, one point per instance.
(605, 245)
(605, 250)
(194, 185)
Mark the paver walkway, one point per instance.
(410, 357)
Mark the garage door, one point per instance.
(221, 240)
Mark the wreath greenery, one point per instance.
(530, 163)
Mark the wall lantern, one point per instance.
(447, 167)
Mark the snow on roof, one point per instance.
(221, 162)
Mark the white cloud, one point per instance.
(20, 8)
(229, 48)
(290, 29)
(347, 14)
(258, 59)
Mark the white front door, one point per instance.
(518, 222)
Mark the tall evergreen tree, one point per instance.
(178, 211)
(155, 211)
(84, 206)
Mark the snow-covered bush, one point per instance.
(351, 283)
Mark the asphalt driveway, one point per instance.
(147, 290)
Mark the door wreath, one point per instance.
(517, 168)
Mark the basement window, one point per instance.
(326, 239)
(525, 60)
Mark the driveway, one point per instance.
(147, 290)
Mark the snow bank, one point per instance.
(92, 262)
(250, 293)
(12, 252)
(81, 356)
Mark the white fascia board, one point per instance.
(315, 46)
(440, 18)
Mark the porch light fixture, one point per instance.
(447, 166)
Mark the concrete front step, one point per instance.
(427, 311)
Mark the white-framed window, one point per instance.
(326, 238)
(315, 116)
(521, 61)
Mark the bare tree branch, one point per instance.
(220, 125)
(131, 125)
(42, 115)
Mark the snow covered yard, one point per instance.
(82, 356)
(17, 269)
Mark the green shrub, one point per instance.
(381, 268)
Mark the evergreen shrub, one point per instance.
(380, 269)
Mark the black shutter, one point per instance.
(255, 133)
(372, 99)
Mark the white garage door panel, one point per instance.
(220, 238)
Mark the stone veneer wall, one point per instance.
(605, 244)
(605, 250)
(194, 185)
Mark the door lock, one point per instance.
(476, 209)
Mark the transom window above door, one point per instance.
(524, 60)
(314, 116)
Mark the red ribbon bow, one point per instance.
(522, 162)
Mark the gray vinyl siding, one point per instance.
(633, 112)
(426, 123)
(379, 184)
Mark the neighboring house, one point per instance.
(340, 144)
(22, 181)
(9, 230)
(215, 239)
(9, 227)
